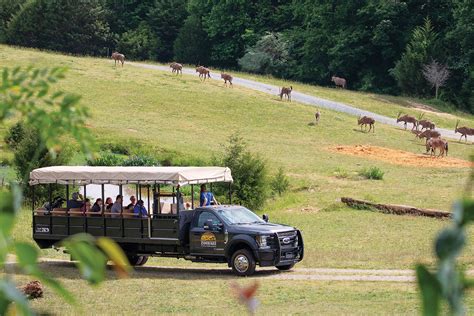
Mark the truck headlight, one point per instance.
(263, 241)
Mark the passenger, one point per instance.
(117, 206)
(97, 207)
(206, 198)
(139, 210)
(75, 201)
(108, 203)
(179, 198)
(87, 206)
(133, 202)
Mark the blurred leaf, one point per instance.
(464, 211)
(90, 260)
(116, 255)
(449, 243)
(27, 256)
(430, 291)
(8, 294)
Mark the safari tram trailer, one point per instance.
(229, 234)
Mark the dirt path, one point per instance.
(301, 97)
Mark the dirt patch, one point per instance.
(400, 157)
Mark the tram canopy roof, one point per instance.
(81, 175)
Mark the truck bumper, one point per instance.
(271, 258)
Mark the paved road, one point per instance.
(303, 98)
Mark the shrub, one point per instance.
(14, 135)
(280, 182)
(106, 159)
(248, 171)
(372, 173)
(142, 160)
(116, 148)
(341, 173)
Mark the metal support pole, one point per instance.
(148, 197)
(177, 199)
(50, 213)
(173, 195)
(67, 210)
(137, 190)
(33, 198)
(103, 198)
(159, 199)
(192, 196)
(230, 192)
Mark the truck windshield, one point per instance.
(239, 216)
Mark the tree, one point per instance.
(139, 43)
(268, 56)
(408, 70)
(77, 27)
(192, 44)
(280, 182)
(436, 74)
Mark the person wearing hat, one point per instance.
(76, 201)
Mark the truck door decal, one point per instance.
(208, 240)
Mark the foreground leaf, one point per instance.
(10, 294)
(430, 291)
(116, 255)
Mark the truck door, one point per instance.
(207, 234)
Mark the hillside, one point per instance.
(188, 120)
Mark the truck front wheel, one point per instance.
(137, 260)
(243, 263)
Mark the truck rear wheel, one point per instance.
(286, 267)
(243, 263)
(137, 260)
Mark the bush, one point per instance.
(120, 148)
(106, 159)
(141, 160)
(280, 182)
(14, 135)
(248, 171)
(341, 173)
(140, 43)
(372, 173)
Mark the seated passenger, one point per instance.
(75, 201)
(97, 207)
(206, 198)
(117, 206)
(108, 203)
(139, 210)
(87, 206)
(133, 202)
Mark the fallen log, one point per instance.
(395, 209)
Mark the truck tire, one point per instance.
(286, 267)
(243, 263)
(137, 260)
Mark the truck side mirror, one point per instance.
(265, 217)
(208, 225)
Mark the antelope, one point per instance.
(287, 92)
(175, 67)
(118, 57)
(203, 72)
(464, 131)
(434, 143)
(428, 134)
(365, 120)
(317, 115)
(226, 78)
(339, 82)
(407, 119)
(425, 124)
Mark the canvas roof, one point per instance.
(122, 175)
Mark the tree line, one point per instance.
(381, 46)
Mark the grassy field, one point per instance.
(183, 118)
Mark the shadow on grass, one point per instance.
(362, 131)
(68, 270)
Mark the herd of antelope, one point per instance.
(427, 128)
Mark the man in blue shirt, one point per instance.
(206, 198)
(139, 210)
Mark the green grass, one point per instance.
(372, 173)
(186, 120)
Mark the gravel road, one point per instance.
(302, 98)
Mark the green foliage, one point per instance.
(77, 27)
(139, 43)
(447, 282)
(268, 56)
(372, 173)
(105, 159)
(408, 70)
(249, 172)
(192, 44)
(280, 182)
(140, 160)
(14, 135)
(341, 173)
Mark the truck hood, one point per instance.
(261, 228)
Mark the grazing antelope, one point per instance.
(203, 72)
(339, 82)
(317, 115)
(425, 124)
(287, 92)
(407, 119)
(365, 120)
(434, 143)
(118, 57)
(464, 131)
(226, 78)
(428, 134)
(175, 67)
